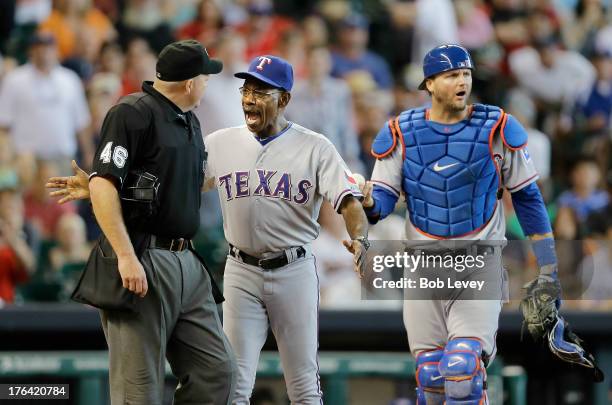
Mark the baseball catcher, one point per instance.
(453, 161)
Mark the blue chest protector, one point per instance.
(449, 174)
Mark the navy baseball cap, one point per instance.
(42, 38)
(355, 20)
(272, 70)
(260, 7)
(602, 53)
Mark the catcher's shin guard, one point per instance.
(464, 372)
(430, 384)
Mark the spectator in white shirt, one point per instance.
(217, 112)
(435, 24)
(43, 107)
(221, 107)
(323, 104)
(550, 73)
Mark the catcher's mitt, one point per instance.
(540, 310)
(539, 306)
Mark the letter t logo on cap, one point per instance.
(263, 61)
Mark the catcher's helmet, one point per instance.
(444, 58)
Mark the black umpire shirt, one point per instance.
(146, 131)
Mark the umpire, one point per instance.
(152, 149)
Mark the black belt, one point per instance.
(266, 264)
(174, 245)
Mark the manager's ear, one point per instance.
(284, 98)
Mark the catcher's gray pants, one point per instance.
(286, 300)
(430, 324)
(178, 320)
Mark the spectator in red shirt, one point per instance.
(139, 66)
(41, 210)
(263, 30)
(206, 26)
(12, 272)
(17, 259)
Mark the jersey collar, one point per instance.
(173, 113)
(270, 138)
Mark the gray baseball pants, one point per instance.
(286, 300)
(430, 324)
(178, 321)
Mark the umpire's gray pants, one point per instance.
(178, 320)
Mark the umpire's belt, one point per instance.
(288, 256)
(174, 245)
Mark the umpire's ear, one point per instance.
(284, 98)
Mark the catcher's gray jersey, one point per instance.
(271, 191)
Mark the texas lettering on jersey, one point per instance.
(265, 183)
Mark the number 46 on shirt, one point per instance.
(119, 154)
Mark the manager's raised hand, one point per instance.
(70, 188)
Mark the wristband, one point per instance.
(544, 250)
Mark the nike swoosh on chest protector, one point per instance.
(438, 168)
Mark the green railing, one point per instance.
(90, 370)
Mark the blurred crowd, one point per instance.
(64, 63)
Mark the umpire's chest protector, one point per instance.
(450, 174)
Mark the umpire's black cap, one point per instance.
(185, 60)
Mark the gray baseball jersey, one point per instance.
(270, 193)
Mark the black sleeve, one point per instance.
(121, 131)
